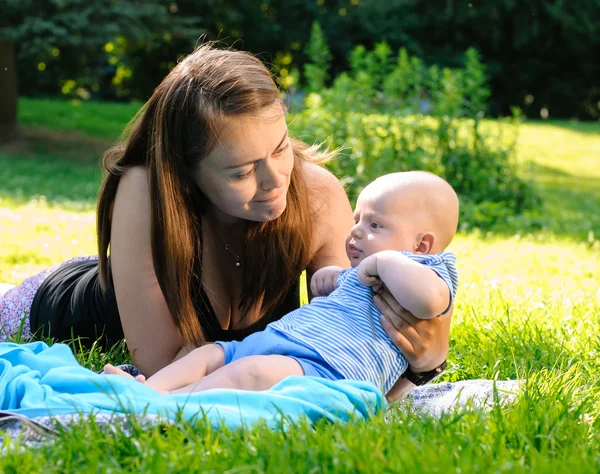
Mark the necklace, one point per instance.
(238, 260)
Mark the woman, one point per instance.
(211, 212)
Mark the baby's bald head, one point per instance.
(424, 199)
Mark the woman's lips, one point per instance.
(269, 200)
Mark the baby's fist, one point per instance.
(367, 273)
(324, 281)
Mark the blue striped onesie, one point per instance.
(340, 336)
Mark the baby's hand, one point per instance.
(367, 273)
(112, 370)
(324, 281)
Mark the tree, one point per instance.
(316, 72)
(69, 38)
(8, 102)
(539, 54)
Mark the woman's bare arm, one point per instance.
(333, 220)
(424, 342)
(152, 339)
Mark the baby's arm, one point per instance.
(189, 369)
(256, 372)
(323, 282)
(416, 287)
(204, 369)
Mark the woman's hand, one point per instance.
(424, 342)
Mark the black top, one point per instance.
(70, 303)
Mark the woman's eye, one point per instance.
(281, 150)
(243, 176)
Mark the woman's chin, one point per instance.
(270, 212)
(273, 215)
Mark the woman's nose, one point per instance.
(272, 178)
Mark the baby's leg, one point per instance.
(258, 372)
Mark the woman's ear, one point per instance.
(424, 243)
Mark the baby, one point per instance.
(403, 222)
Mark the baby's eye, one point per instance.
(375, 225)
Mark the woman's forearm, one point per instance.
(185, 350)
(400, 389)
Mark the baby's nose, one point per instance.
(356, 232)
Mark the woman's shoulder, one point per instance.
(136, 174)
(320, 179)
(333, 216)
(131, 209)
(134, 182)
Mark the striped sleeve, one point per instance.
(342, 276)
(444, 264)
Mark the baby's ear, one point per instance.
(424, 243)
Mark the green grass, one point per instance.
(564, 163)
(94, 119)
(528, 307)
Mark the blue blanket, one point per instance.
(37, 380)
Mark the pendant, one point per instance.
(238, 264)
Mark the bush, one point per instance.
(394, 116)
(540, 53)
(316, 72)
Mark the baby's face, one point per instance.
(382, 221)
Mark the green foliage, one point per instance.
(103, 120)
(65, 47)
(398, 114)
(549, 430)
(528, 307)
(316, 72)
(560, 156)
(539, 54)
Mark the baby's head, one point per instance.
(414, 211)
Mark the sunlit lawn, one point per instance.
(528, 307)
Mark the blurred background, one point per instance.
(540, 55)
(500, 97)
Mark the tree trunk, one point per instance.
(8, 92)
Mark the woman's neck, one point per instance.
(230, 231)
(226, 223)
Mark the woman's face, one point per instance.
(247, 174)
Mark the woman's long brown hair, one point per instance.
(174, 131)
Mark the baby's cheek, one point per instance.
(347, 246)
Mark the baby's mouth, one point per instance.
(353, 250)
